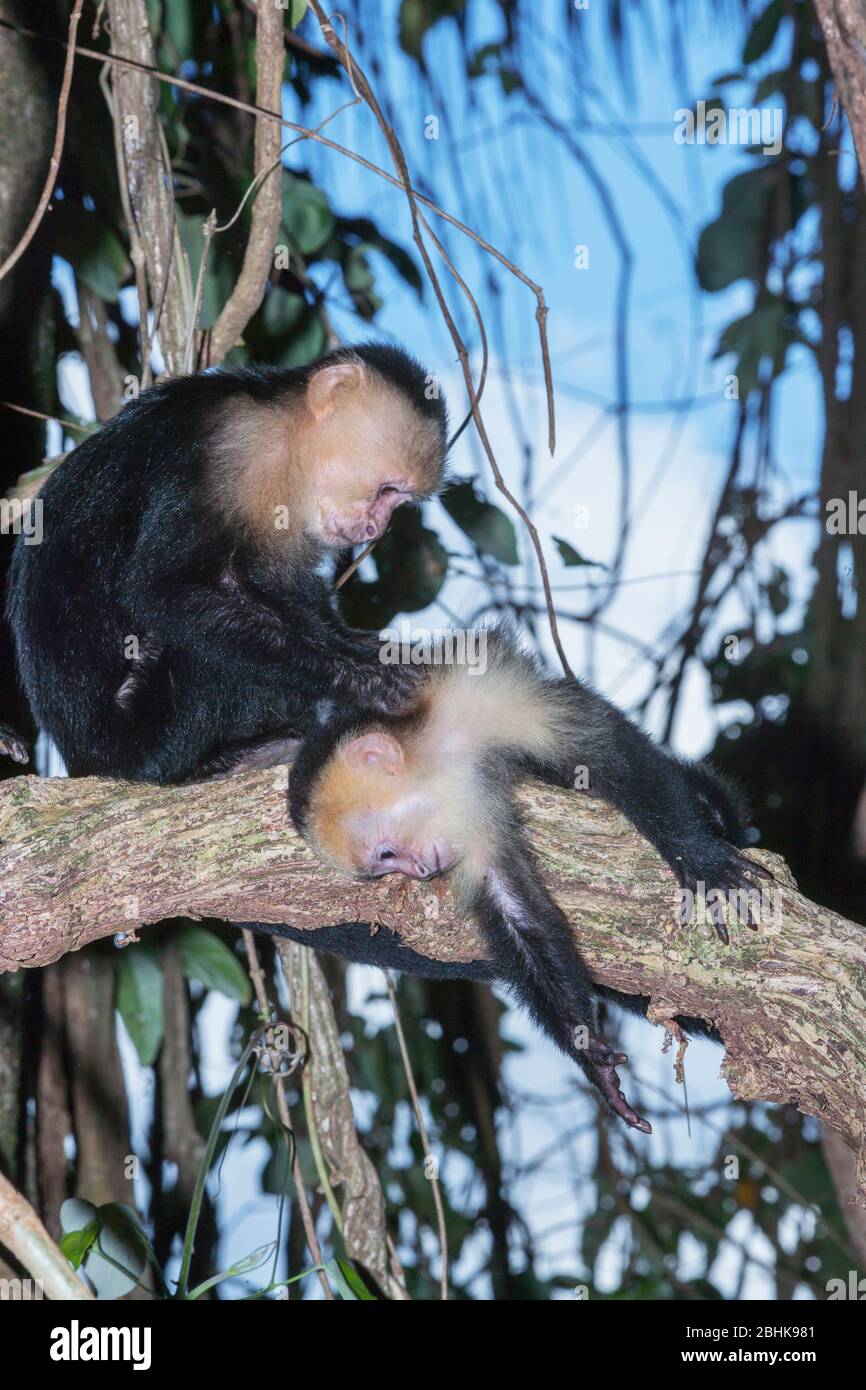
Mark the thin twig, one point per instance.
(136, 250)
(267, 210)
(432, 1161)
(404, 181)
(257, 975)
(52, 419)
(182, 84)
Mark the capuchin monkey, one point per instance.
(174, 611)
(429, 788)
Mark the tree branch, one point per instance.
(23, 1234)
(267, 208)
(151, 195)
(81, 859)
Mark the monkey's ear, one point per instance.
(324, 386)
(375, 750)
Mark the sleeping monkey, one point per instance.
(428, 789)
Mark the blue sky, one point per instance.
(510, 178)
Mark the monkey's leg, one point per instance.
(296, 641)
(12, 745)
(533, 951)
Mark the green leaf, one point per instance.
(763, 32)
(417, 18)
(411, 566)
(370, 236)
(485, 59)
(307, 214)
(93, 249)
(75, 1244)
(297, 10)
(140, 1000)
(349, 1284)
(734, 246)
(763, 335)
(569, 556)
(207, 959)
(108, 1241)
(489, 529)
(282, 311)
(510, 80)
(772, 82)
(357, 274)
(179, 28)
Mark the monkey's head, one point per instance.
(331, 452)
(366, 812)
(373, 441)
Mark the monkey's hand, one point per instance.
(713, 866)
(605, 1062)
(12, 745)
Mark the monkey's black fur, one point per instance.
(234, 646)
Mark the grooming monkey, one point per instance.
(189, 533)
(428, 788)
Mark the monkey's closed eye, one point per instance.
(386, 489)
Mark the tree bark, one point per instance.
(844, 26)
(267, 206)
(83, 859)
(148, 172)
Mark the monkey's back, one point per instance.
(72, 598)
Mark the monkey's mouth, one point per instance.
(335, 535)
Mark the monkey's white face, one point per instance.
(402, 840)
(368, 452)
(372, 817)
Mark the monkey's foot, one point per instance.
(13, 746)
(720, 868)
(606, 1061)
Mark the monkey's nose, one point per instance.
(431, 864)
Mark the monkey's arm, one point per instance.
(680, 808)
(295, 636)
(533, 952)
